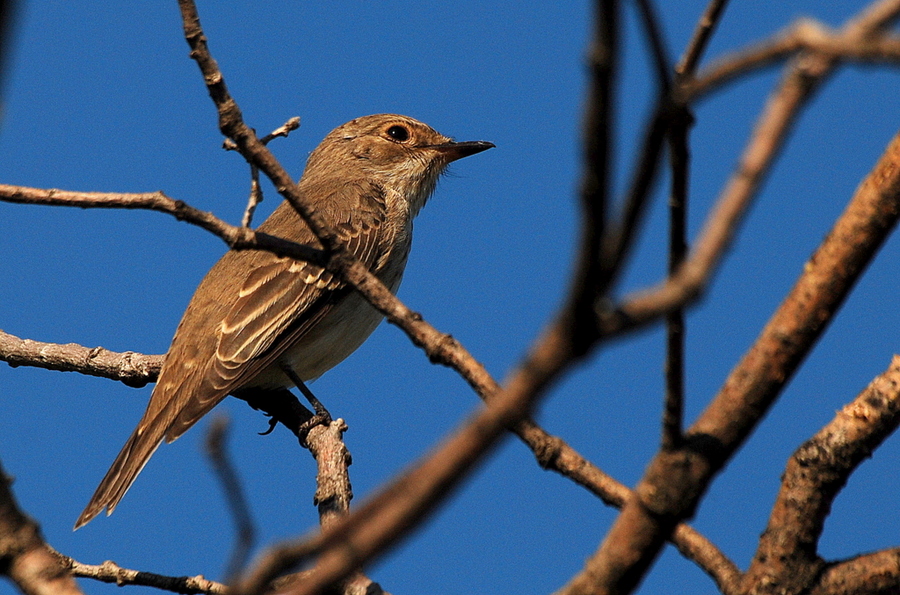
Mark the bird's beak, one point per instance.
(453, 151)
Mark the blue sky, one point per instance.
(103, 97)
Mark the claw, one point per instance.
(272, 423)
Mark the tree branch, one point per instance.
(555, 454)
(876, 573)
(786, 561)
(237, 238)
(110, 572)
(676, 480)
(245, 530)
(700, 39)
(130, 368)
(798, 85)
(25, 558)
(806, 35)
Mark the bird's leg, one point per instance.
(280, 405)
(322, 415)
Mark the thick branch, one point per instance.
(786, 561)
(24, 556)
(877, 573)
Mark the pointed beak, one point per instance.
(454, 150)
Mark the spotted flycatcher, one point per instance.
(255, 313)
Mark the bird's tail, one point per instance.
(131, 460)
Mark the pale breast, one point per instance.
(346, 326)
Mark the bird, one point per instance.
(262, 321)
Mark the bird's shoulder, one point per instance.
(351, 207)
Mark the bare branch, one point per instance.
(620, 240)
(234, 495)
(598, 127)
(25, 558)
(256, 195)
(876, 573)
(804, 36)
(281, 132)
(675, 480)
(333, 489)
(699, 40)
(658, 52)
(787, 560)
(130, 368)
(556, 455)
(333, 494)
(237, 238)
(673, 407)
(110, 572)
(798, 85)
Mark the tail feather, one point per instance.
(131, 460)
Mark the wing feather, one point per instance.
(282, 299)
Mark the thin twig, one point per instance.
(255, 197)
(721, 224)
(700, 39)
(256, 194)
(556, 455)
(245, 533)
(661, 63)
(620, 240)
(282, 131)
(110, 572)
(673, 409)
(805, 35)
(237, 238)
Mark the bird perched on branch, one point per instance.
(261, 321)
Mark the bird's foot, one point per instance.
(321, 418)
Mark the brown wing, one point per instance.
(280, 301)
(262, 305)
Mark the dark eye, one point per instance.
(398, 133)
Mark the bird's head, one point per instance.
(398, 151)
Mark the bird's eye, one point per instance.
(398, 133)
